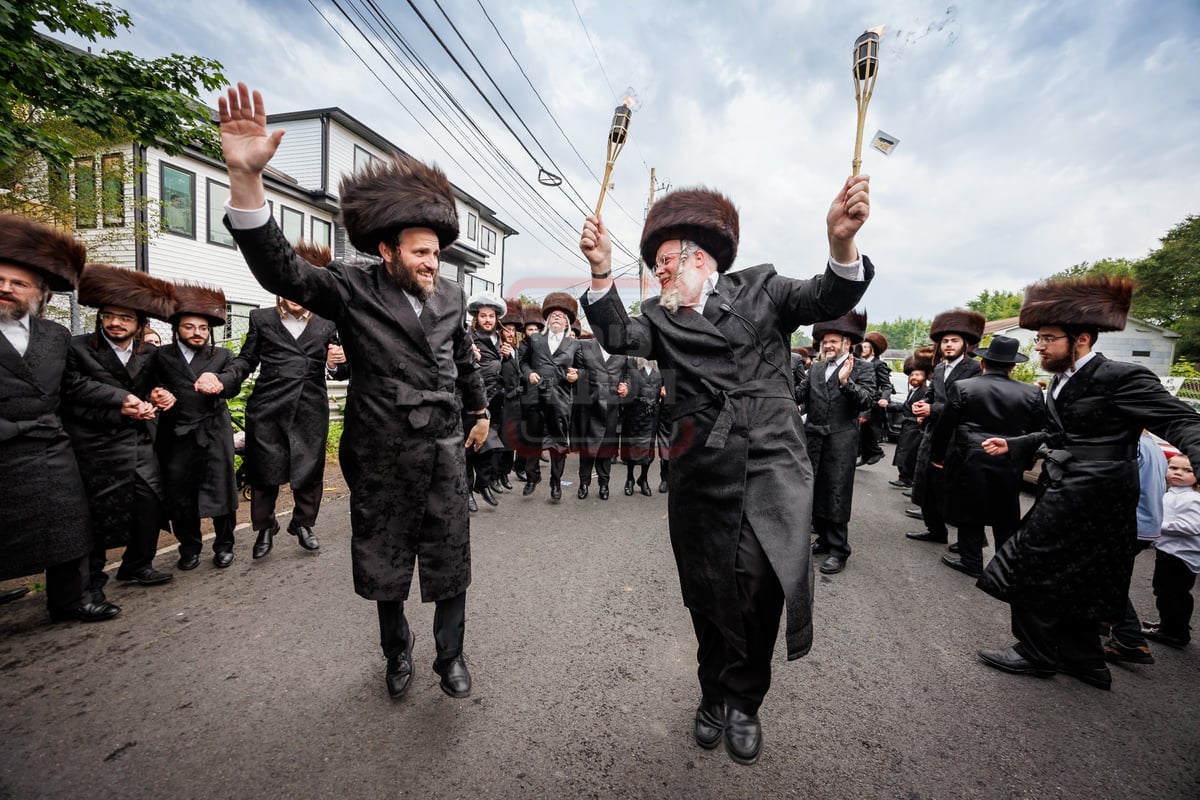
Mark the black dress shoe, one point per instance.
(488, 497)
(833, 565)
(1009, 660)
(399, 671)
(875, 459)
(506, 483)
(925, 536)
(189, 561)
(1097, 676)
(8, 595)
(496, 487)
(530, 486)
(555, 492)
(304, 535)
(915, 513)
(1155, 632)
(900, 484)
(819, 548)
(603, 493)
(223, 558)
(629, 488)
(644, 486)
(471, 504)
(520, 475)
(953, 548)
(86, 612)
(583, 491)
(146, 576)
(957, 563)
(743, 736)
(456, 681)
(710, 724)
(663, 487)
(907, 493)
(264, 542)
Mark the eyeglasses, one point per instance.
(1044, 338)
(664, 261)
(106, 315)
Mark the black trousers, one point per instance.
(148, 516)
(558, 463)
(602, 466)
(449, 627)
(741, 680)
(1128, 630)
(1049, 638)
(870, 434)
(835, 535)
(307, 500)
(931, 505)
(67, 584)
(972, 540)
(187, 531)
(1173, 582)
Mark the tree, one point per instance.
(904, 334)
(1000, 304)
(52, 92)
(1105, 266)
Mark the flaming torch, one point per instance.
(866, 66)
(622, 116)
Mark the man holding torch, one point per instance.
(741, 482)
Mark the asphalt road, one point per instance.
(265, 680)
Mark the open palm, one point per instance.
(245, 142)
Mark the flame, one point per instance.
(878, 30)
(629, 101)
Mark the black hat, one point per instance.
(1003, 350)
(852, 325)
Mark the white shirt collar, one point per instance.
(710, 286)
(123, 353)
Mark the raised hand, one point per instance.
(847, 214)
(245, 142)
(596, 245)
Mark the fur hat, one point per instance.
(486, 299)
(513, 315)
(532, 315)
(1100, 302)
(562, 302)
(922, 359)
(201, 301)
(102, 285)
(388, 196)
(699, 215)
(852, 324)
(56, 256)
(316, 254)
(878, 341)
(968, 324)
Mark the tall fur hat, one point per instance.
(922, 359)
(1100, 302)
(852, 324)
(387, 196)
(56, 256)
(202, 301)
(699, 215)
(967, 324)
(878, 341)
(102, 285)
(563, 302)
(512, 314)
(316, 254)
(532, 315)
(481, 299)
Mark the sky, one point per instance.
(1032, 135)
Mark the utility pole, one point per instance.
(641, 264)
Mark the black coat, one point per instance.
(510, 401)
(402, 448)
(287, 415)
(46, 517)
(909, 439)
(555, 394)
(490, 366)
(639, 427)
(831, 426)
(1072, 554)
(195, 436)
(937, 389)
(980, 489)
(734, 408)
(113, 450)
(596, 421)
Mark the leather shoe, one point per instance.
(506, 483)
(520, 475)
(189, 561)
(223, 558)
(953, 548)
(304, 535)
(1154, 631)
(399, 671)
(925, 536)
(907, 493)
(603, 493)
(555, 492)
(146, 576)
(914, 512)
(710, 724)
(456, 681)
(87, 612)
(530, 486)
(583, 491)
(957, 563)
(644, 486)
(471, 504)
(488, 497)
(496, 487)
(743, 736)
(8, 595)
(1098, 676)
(820, 549)
(900, 484)
(874, 459)
(264, 542)
(1009, 660)
(629, 488)
(833, 565)
(663, 487)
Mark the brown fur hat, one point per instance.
(513, 315)
(56, 256)
(316, 254)
(563, 302)
(878, 341)
(532, 315)
(699, 215)
(967, 324)
(102, 285)
(922, 359)
(852, 324)
(388, 196)
(202, 301)
(1100, 302)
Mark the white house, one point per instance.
(1141, 342)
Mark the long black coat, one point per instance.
(596, 424)
(287, 415)
(909, 439)
(639, 427)
(832, 428)
(980, 489)
(46, 519)
(402, 448)
(737, 443)
(113, 450)
(937, 389)
(195, 436)
(510, 401)
(490, 366)
(554, 392)
(1072, 554)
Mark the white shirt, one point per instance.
(17, 333)
(833, 367)
(951, 365)
(554, 340)
(295, 325)
(1061, 379)
(187, 352)
(1181, 525)
(123, 355)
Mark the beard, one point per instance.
(18, 309)
(195, 348)
(407, 281)
(684, 289)
(1057, 363)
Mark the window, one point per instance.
(291, 222)
(488, 239)
(472, 221)
(217, 194)
(322, 234)
(479, 285)
(112, 183)
(85, 192)
(1141, 353)
(362, 159)
(177, 193)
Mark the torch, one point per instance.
(866, 66)
(622, 115)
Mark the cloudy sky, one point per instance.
(1033, 135)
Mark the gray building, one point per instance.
(1140, 343)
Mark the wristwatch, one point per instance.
(485, 414)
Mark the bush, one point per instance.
(334, 440)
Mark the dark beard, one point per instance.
(15, 312)
(1056, 365)
(409, 283)
(193, 347)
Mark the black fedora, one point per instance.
(1003, 350)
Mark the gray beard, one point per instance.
(16, 312)
(671, 299)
